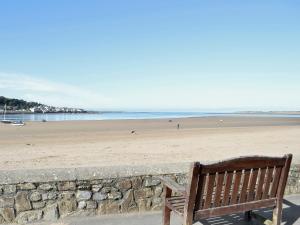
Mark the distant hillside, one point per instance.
(18, 105)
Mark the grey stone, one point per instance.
(67, 194)
(6, 201)
(83, 213)
(22, 201)
(10, 189)
(128, 204)
(38, 205)
(1, 189)
(143, 193)
(108, 189)
(49, 196)
(115, 195)
(2, 220)
(29, 216)
(26, 186)
(8, 214)
(46, 187)
(151, 181)
(83, 195)
(81, 205)
(108, 207)
(181, 179)
(91, 204)
(158, 191)
(107, 181)
(97, 187)
(136, 182)
(124, 184)
(67, 206)
(98, 196)
(66, 186)
(95, 182)
(144, 204)
(51, 212)
(35, 196)
(156, 203)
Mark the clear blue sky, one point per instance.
(152, 55)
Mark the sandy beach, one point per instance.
(136, 142)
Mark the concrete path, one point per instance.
(291, 215)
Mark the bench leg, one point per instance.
(247, 215)
(277, 212)
(166, 211)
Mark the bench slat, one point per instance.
(228, 184)
(245, 183)
(210, 189)
(252, 184)
(261, 180)
(236, 187)
(219, 187)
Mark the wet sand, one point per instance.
(138, 142)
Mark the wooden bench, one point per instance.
(232, 186)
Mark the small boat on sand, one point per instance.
(18, 123)
(4, 117)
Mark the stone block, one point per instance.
(51, 212)
(46, 187)
(38, 205)
(6, 201)
(98, 196)
(67, 194)
(151, 181)
(83, 195)
(66, 186)
(26, 186)
(143, 193)
(128, 204)
(108, 207)
(144, 204)
(29, 216)
(158, 191)
(91, 204)
(96, 187)
(49, 196)
(22, 202)
(115, 195)
(136, 182)
(124, 184)
(35, 196)
(8, 214)
(67, 206)
(10, 189)
(81, 205)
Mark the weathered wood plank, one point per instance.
(241, 207)
(267, 184)
(227, 189)
(219, 187)
(261, 180)
(210, 189)
(243, 195)
(252, 184)
(236, 187)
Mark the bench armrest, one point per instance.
(173, 185)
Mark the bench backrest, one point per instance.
(237, 181)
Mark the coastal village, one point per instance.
(20, 106)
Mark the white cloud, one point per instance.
(48, 92)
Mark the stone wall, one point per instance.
(27, 196)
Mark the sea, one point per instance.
(127, 115)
